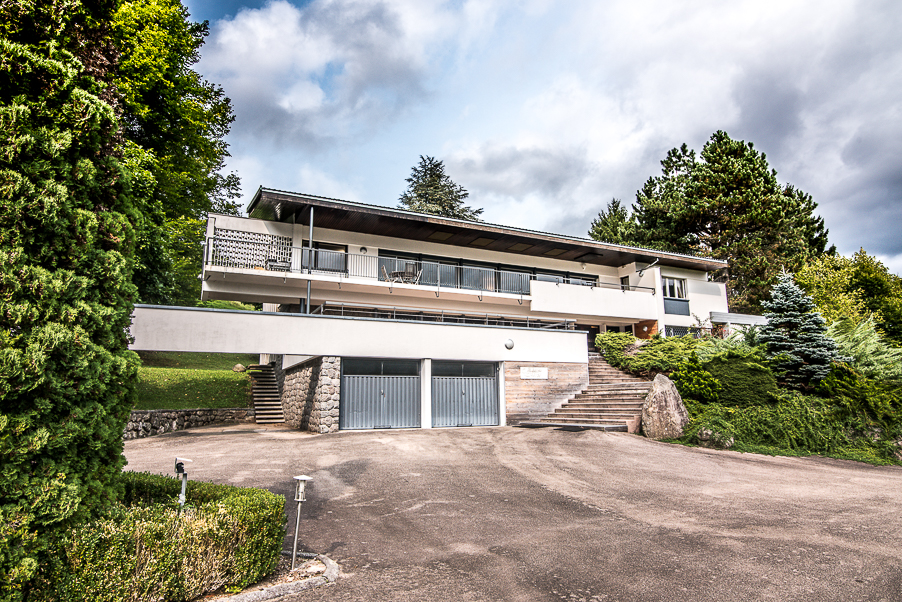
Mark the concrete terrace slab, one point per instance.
(544, 514)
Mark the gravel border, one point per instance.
(285, 589)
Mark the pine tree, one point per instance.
(795, 335)
(430, 190)
(66, 257)
(614, 225)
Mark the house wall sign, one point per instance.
(533, 373)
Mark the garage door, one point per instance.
(379, 393)
(464, 394)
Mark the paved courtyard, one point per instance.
(533, 515)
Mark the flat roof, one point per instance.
(336, 214)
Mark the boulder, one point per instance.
(238, 368)
(663, 414)
(709, 438)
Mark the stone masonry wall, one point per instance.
(530, 399)
(310, 395)
(146, 423)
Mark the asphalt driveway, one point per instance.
(518, 514)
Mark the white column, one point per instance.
(426, 394)
(502, 402)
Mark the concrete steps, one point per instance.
(265, 393)
(611, 399)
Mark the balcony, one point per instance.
(278, 259)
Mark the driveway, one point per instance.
(518, 514)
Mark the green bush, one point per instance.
(658, 355)
(612, 344)
(694, 382)
(144, 550)
(743, 380)
(864, 348)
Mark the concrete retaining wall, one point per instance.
(528, 399)
(311, 393)
(146, 423)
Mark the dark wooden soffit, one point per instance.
(334, 214)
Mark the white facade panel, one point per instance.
(550, 297)
(220, 331)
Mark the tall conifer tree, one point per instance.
(66, 255)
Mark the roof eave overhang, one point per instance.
(277, 205)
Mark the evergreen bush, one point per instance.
(743, 380)
(694, 382)
(66, 259)
(661, 355)
(795, 336)
(612, 345)
(145, 550)
(865, 349)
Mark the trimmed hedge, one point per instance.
(743, 381)
(144, 550)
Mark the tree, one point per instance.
(174, 124)
(66, 256)
(614, 225)
(727, 204)
(855, 287)
(795, 336)
(430, 190)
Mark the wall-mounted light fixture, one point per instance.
(509, 344)
(582, 266)
(363, 250)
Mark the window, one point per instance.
(675, 288)
(625, 283)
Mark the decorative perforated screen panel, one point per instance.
(239, 249)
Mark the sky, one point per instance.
(545, 111)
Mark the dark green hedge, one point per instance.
(144, 550)
(743, 382)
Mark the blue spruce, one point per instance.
(795, 336)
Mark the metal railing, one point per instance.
(229, 252)
(382, 312)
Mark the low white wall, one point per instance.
(157, 328)
(568, 299)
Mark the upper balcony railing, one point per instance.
(279, 258)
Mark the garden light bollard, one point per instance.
(300, 495)
(180, 470)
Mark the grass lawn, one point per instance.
(175, 381)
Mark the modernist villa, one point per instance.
(377, 317)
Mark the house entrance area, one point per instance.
(379, 393)
(464, 394)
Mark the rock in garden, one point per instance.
(663, 414)
(238, 368)
(709, 438)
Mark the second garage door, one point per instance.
(464, 394)
(377, 393)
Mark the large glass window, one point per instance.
(675, 288)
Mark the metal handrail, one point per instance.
(230, 252)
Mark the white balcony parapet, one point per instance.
(279, 258)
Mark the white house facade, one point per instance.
(389, 318)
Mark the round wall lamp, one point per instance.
(509, 344)
(645, 329)
(363, 250)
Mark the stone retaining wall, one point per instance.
(528, 399)
(146, 423)
(310, 394)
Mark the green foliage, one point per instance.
(745, 379)
(430, 190)
(226, 536)
(865, 349)
(66, 257)
(614, 225)
(612, 346)
(222, 304)
(195, 361)
(661, 355)
(175, 124)
(694, 382)
(729, 205)
(795, 336)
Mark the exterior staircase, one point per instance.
(613, 397)
(265, 394)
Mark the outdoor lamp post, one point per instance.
(180, 470)
(300, 495)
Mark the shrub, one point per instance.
(694, 382)
(612, 345)
(661, 355)
(226, 536)
(743, 380)
(865, 349)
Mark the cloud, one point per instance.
(545, 111)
